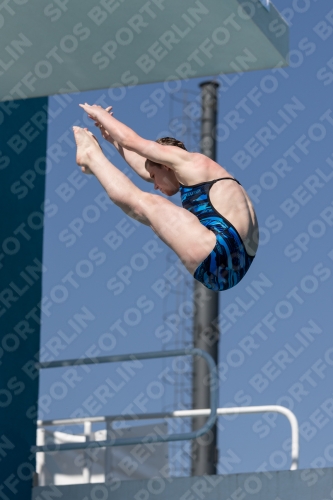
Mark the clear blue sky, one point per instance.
(280, 148)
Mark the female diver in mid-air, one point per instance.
(215, 234)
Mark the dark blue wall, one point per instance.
(23, 136)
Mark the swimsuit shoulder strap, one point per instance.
(224, 178)
(209, 182)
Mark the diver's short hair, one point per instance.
(171, 141)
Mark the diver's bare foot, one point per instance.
(87, 148)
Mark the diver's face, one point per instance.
(164, 178)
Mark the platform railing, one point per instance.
(184, 436)
(194, 413)
(212, 413)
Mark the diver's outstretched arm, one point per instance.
(135, 161)
(174, 158)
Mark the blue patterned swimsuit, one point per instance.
(229, 261)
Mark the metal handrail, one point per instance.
(184, 436)
(196, 413)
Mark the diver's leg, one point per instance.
(177, 227)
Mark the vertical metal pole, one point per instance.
(205, 333)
